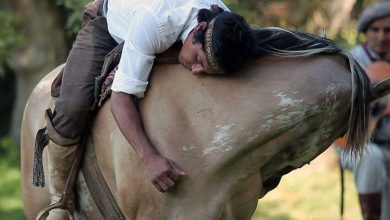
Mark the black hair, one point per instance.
(235, 42)
(204, 15)
(232, 38)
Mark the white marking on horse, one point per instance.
(188, 147)
(267, 125)
(220, 141)
(288, 115)
(332, 95)
(287, 101)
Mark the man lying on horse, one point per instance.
(215, 41)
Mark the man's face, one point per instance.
(378, 36)
(192, 56)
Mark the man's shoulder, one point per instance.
(357, 49)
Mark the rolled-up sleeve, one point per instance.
(141, 44)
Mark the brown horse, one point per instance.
(235, 136)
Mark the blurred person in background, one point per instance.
(372, 170)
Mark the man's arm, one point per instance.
(162, 172)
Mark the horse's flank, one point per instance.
(233, 135)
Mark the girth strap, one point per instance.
(98, 187)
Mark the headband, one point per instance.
(209, 48)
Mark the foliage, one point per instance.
(251, 14)
(10, 196)
(316, 16)
(9, 37)
(74, 9)
(7, 151)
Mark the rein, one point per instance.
(98, 187)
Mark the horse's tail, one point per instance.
(357, 131)
(291, 43)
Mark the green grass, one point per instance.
(10, 197)
(312, 192)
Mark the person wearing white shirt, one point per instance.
(215, 41)
(372, 172)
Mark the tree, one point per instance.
(41, 25)
(48, 28)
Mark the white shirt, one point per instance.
(361, 56)
(148, 27)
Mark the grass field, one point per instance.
(10, 198)
(312, 192)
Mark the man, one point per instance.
(214, 41)
(374, 24)
(147, 28)
(372, 172)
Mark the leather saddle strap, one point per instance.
(98, 187)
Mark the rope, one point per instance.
(41, 141)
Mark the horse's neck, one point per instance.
(230, 134)
(213, 119)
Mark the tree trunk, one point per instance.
(42, 26)
(340, 14)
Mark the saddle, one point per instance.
(104, 81)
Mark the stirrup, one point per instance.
(58, 205)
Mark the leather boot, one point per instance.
(61, 155)
(60, 163)
(371, 205)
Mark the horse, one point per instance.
(235, 136)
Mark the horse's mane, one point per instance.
(291, 43)
(288, 43)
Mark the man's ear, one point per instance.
(201, 26)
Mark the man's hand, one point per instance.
(163, 172)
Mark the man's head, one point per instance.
(375, 24)
(221, 42)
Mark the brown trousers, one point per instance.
(84, 63)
